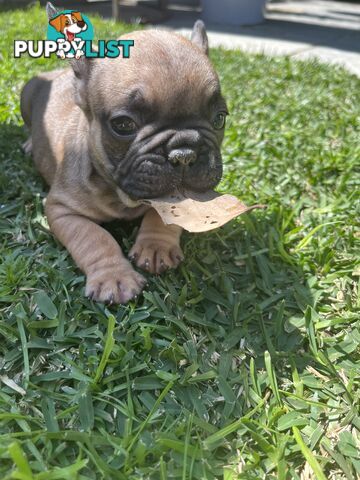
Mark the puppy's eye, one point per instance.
(219, 121)
(123, 125)
(67, 22)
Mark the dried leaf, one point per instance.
(199, 212)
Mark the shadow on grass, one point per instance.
(18, 178)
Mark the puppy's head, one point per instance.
(157, 118)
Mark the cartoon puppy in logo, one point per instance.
(69, 24)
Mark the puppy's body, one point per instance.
(169, 91)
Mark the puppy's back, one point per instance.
(46, 105)
(34, 90)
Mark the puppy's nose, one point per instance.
(81, 23)
(184, 156)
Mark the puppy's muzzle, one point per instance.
(163, 163)
(182, 156)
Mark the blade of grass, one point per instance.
(19, 312)
(109, 344)
(309, 236)
(224, 432)
(272, 377)
(314, 464)
(20, 460)
(150, 414)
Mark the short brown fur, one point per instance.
(82, 162)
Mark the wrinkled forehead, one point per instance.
(163, 73)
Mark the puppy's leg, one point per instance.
(110, 277)
(157, 245)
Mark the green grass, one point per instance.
(243, 363)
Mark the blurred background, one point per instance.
(325, 29)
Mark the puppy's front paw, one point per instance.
(115, 285)
(155, 255)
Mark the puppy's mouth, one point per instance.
(70, 36)
(152, 178)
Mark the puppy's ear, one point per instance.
(57, 23)
(51, 11)
(82, 71)
(199, 36)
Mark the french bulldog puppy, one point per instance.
(107, 133)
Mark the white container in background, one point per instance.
(233, 12)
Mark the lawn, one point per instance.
(243, 363)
